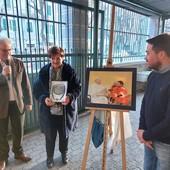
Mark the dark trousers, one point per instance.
(56, 124)
(17, 122)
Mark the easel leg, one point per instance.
(83, 167)
(106, 117)
(110, 124)
(123, 141)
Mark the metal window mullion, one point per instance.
(36, 11)
(22, 32)
(73, 35)
(95, 39)
(86, 32)
(80, 27)
(101, 39)
(91, 42)
(163, 25)
(37, 19)
(46, 25)
(6, 17)
(61, 27)
(86, 37)
(107, 26)
(13, 21)
(28, 19)
(53, 23)
(68, 30)
(30, 118)
(19, 32)
(58, 25)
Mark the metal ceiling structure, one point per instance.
(160, 6)
(146, 7)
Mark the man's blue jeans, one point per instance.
(157, 159)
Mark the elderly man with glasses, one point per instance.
(15, 94)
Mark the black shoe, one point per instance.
(50, 162)
(65, 158)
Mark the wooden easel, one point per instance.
(106, 116)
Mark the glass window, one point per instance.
(11, 7)
(41, 9)
(4, 26)
(29, 27)
(52, 29)
(8, 3)
(14, 25)
(22, 7)
(49, 10)
(167, 26)
(32, 8)
(72, 27)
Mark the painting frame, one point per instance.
(111, 79)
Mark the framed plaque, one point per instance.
(58, 91)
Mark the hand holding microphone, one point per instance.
(7, 71)
(7, 63)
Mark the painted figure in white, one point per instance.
(98, 93)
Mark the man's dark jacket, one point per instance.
(41, 92)
(155, 110)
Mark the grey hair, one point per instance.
(5, 40)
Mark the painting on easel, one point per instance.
(113, 88)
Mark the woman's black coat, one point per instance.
(41, 92)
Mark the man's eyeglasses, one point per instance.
(5, 50)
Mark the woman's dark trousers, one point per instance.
(56, 123)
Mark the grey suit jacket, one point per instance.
(22, 88)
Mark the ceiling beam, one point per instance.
(126, 4)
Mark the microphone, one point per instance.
(7, 63)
